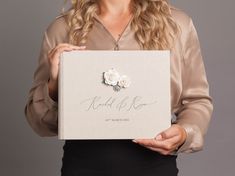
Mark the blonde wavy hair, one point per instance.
(152, 22)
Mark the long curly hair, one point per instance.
(152, 22)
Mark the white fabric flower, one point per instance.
(124, 81)
(111, 77)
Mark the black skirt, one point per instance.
(114, 158)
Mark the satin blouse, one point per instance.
(190, 100)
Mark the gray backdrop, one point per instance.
(22, 24)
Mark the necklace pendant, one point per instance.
(116, 47)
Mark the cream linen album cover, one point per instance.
(106, 94)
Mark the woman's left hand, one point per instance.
(167, 141)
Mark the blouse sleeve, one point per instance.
(41, 110)
(196, 105)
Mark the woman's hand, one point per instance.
(53, 57)
(167, 141)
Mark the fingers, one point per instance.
(165, 142)
(163, 147)
(161, 151)
(55, 53)
(65, 45)
(59, 48)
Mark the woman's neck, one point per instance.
(114, 7)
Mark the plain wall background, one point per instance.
(22, 24)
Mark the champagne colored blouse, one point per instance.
(190, 100)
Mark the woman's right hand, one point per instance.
(53, 58)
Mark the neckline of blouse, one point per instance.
(96, 17)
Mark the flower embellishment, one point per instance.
(113, 78)
(124, 81)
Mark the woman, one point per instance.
(122, 25)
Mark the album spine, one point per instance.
(60, 100)
(169, 82)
